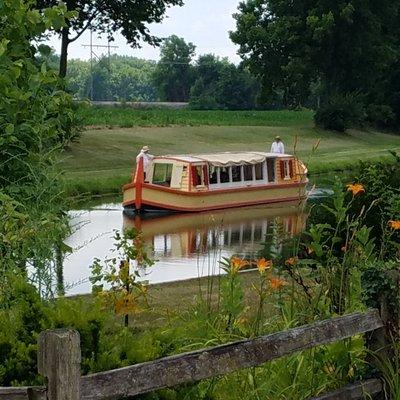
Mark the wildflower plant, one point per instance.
(126, 293)
(231, 291)
(332, 252)
(266, 283)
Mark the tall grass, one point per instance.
(128, 117)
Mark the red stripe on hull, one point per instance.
(160, 206)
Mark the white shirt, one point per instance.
(147, 159)
(278, 147)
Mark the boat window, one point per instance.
(224, 174)
(213, 176)
(197, 175)
(205, 175)
(259, 171)
(271, 169)
(288, 169)
(236, 173)
(162, 174)
(248, 172)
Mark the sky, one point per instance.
(205, 23)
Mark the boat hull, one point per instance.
(157, 198)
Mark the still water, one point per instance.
(183, 245)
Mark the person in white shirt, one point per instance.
(147, 159)
(277, 146)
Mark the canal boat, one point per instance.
(203, 182)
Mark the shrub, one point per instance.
(22, 317)
(341, 112)
(380, 115)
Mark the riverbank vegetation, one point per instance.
(338, 265)
(36, 121)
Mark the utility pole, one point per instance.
(94, 55)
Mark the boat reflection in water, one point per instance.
(192, 245)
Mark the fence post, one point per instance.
(379, 341)
(59, 360)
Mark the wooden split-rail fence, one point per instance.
(59, 357)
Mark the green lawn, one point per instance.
(103, 159)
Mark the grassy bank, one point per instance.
(103, 159)
(176, 298)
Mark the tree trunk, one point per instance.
(64, 51)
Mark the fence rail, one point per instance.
(23, 393)
(59, 361)
(359, 390)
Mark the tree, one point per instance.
(271, 35)
(101, 81)
(78, 78)
(35, 120)
(115, 78)
(173, 76)
(343, 46)
(131, 17)
(35, 115)
(132, 79)
(219, 84)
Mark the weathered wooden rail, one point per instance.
(59, 361)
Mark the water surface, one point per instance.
(183, 245)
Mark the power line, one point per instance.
(92, 53)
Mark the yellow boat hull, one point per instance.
(154, 197)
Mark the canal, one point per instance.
(183, 246)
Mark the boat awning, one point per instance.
(227, 159)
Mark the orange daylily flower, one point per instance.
(291, 261)
(263, 264)
(237, 263)
(394, 225)
(126, 305)
(355, 188)
(276, 283)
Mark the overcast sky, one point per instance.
(205, 23)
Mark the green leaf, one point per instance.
(3, 46)
(9, 129)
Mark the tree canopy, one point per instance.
(131, 17)
(174, 72)
(118, 78)
(35, 115)
(208, 83)
(335, 47)
(220, 84)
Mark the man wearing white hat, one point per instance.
(277, 146)
(147, 159)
